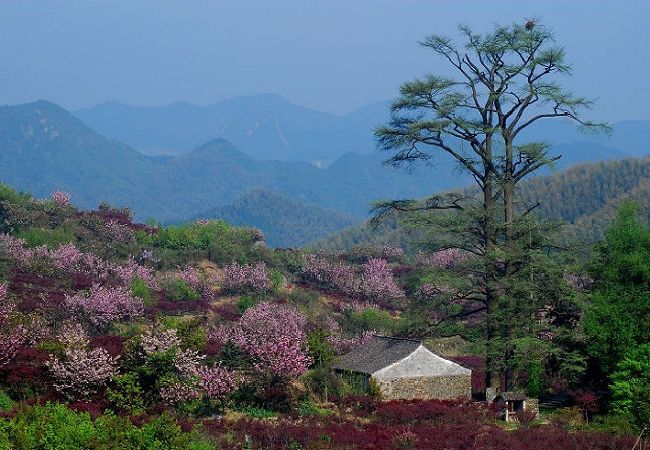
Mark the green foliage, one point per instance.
(372, 319)
(309, 409)
(322, 382)
(191, 236)
(277, 279)
(631, 385)
(140, 289)
(245, 302)
(190, 330)
(126, 394)
(51, 237)
(54, 426)
(621, 424)
(320, 348)
(179, 290)
(256, 412)
(619, 315)
(303, 298)
(6, 403)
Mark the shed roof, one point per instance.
(511, 396)
(377, 353)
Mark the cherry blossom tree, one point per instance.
(12, 337)
(103, 305)
(273, 335)
(61, 198)
(80, 372)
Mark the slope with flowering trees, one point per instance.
(202, 327)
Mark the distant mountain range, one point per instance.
(269, 127)
(43, 147)
(265, 126)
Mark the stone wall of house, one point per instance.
(438, 387)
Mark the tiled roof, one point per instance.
(379, 352)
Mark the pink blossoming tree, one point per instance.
(103, 305)
(273, 335)
(61, 198)
(80, 372)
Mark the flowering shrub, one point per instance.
(342, 345)
(179, 392)
(61, 198)
(377, 281)
(274, 336)
(104, 305)
(68, 258)
(238, 277)
(159, 341)
(216, 382)
(12, 337)
(117, 231)
(81, 372)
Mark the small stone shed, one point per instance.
(512, 402)
(406, 369)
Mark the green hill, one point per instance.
(585, 197)
(285, 222)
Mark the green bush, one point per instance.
(54, 426)
(303, 297)
(320, 348)
(631, 385)
(256, 412)
(323, 383)
(179, 291)
(373, 319)
(140, 289)
(6, 403)
(125, 394)
(309, 409)
(245, 302)
(43, 236)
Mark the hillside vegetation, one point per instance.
(584, 197)
(192, 336)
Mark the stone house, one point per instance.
(406, 369)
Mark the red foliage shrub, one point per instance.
(94, 407)
(213, 347)
(376, 436)
(112, 344)
(228, 312)
(28, 367)
(433, 411)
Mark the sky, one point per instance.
(334, 55)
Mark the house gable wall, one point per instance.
(421, 363)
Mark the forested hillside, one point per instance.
(585, 197)
(286, 222)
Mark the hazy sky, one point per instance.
(333, 55)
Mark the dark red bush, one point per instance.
(112, 344)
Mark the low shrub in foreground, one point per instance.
(55, 426)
